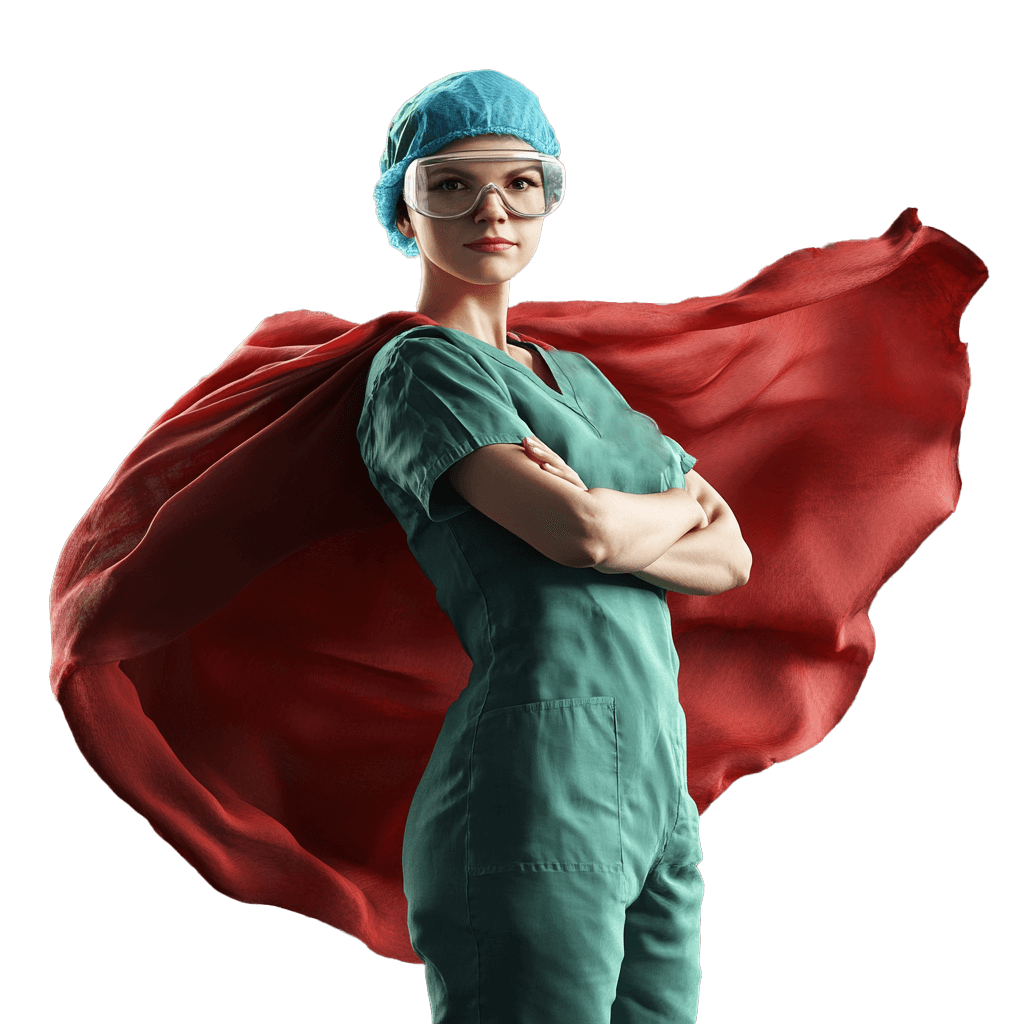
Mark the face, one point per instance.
(461, 247)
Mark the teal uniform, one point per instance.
(550, 853)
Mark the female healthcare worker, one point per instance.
(550, 854)
(249, 655)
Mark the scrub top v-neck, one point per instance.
(538, 354)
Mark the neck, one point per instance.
(479, 310)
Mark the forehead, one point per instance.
(485, 142)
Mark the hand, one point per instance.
(554, 463)
(551, 461)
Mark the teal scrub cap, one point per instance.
(455, 107)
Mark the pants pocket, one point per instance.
(544, 788)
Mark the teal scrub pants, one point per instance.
(550, 862)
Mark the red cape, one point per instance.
(248, 654)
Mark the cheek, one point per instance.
(445, 247)
(531, 239)
(433, 243)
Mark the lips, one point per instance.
(490, 244)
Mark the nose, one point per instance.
(490, 208)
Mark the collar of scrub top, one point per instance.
(553, 165)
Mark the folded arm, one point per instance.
(706, 560)
(686, 540)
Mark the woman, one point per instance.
(550, 855)
(248, 654)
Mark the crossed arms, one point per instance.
(687, 540)
(707, 559)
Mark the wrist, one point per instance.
(693, 516)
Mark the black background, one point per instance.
(214, 208)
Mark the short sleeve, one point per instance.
(428, 403)
(686, 461)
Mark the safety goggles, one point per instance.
(444, 187)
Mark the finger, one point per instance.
(552, 461)
(544, 455)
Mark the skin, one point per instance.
(708, 559)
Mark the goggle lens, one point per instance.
(452, 186)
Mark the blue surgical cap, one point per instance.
(455, 107)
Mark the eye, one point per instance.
(523, 182)
(447, 185)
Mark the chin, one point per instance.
(484, 276)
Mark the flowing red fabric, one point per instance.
(248, 654)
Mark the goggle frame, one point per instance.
(489, 155)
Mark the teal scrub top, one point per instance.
(534, 629)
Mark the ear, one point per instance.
(402, 221)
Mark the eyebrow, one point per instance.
(457, 169)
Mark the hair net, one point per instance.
(455, 107)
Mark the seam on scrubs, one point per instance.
(680, 807)
(561, 377)
(488, 633)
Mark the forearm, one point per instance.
(637, 529)
(702, 562)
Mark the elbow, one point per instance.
(589, 546)
(573, 541)
(741, 566)
(586, 552)
(735, 573)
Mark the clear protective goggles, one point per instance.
(528, 184)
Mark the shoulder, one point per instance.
(411, 344)
(420, 349)
(434, 362)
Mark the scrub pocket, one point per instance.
(544, 788)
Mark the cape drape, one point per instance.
(248, 654)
